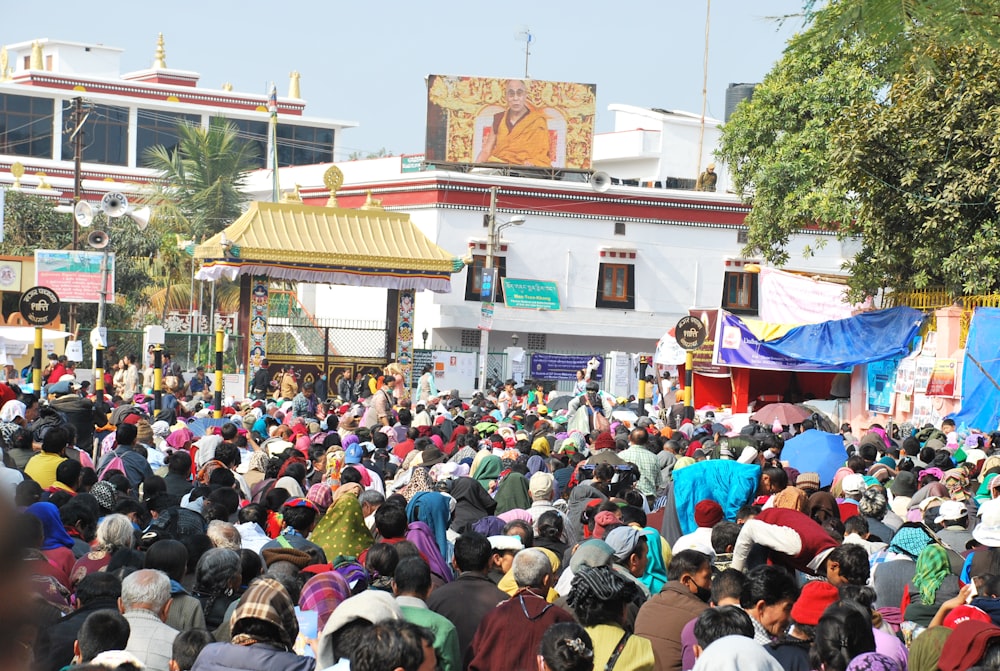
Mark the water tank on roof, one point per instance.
(735, 94)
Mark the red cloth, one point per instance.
(57, 372)
(402, 449)
(966, 645)
(815, 540)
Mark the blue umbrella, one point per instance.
(816, 452)
(199, 426)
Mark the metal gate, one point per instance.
(336, 347)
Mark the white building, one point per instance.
(127, 113)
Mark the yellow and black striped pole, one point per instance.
(220, 338)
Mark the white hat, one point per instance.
(505, 543)
(853, 483)
(987, 531)
(950, 510)
(747, 455)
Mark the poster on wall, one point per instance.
(523, 122)
(922, 374)
(923, 411)
(455, 370)
(904, 376)
(881, 385)
(942, 380)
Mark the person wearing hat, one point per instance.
(792, 649)
(707, 514)
(199, 385)
(953, 518)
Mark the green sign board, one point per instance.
(411, 163)
(531, 294)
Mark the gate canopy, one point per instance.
(327, 245)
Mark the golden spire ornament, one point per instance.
(160, 57)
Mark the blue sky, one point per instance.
(366, 62)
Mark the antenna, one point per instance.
(525, 36)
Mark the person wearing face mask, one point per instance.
(683, 598)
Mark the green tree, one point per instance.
(198, 193)
(924, 163)
(777, 145)
(31, 222)
(200, 183)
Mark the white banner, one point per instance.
(787, 298)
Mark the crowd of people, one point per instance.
(310, 531)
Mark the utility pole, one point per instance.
(77, 186)
(488, 304)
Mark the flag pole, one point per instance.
(272, 107)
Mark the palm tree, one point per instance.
(199, 191)
(201, 181)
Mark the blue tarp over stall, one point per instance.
(842, 343)
(981, 373)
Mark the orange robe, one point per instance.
(526, 143)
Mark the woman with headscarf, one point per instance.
(822, 507)
(420, 481)
(486, 470)
(256, 468)
(57, 546)
(323, 593)
(421, 535)
(342, 530)
(472, 503)
(599, 598)
(264, 629)
(11, 419)
(432, 509)
(512, 494)
(933, 583)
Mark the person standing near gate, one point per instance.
(261, 380)
(287, 386)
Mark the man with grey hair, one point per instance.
(527, 612)
(145, 603)
(224, 535)
(370, 501)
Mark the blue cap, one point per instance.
(353, 454)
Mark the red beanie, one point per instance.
(814, 599)
(707, 513)
(604, 441)
(967, 645)
(604, 519)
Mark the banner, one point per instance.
(881, 385)
(737, 346)
(564, 366)
(787, 298)
(526, 122)
(942, 380)
(75, 276)
(704, 357)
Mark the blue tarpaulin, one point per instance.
(981, 373)
(870, 336)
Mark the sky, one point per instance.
(366, 62)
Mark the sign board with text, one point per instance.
(74, 275)
(530, 294)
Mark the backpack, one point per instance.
(115, 463)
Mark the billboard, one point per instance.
(75, 276)
(523, 122)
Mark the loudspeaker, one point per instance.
(600, 182)
(83, 213)
(114, 204)
(141, 217)
(98, 239)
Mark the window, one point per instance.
(26, 126)
(254, 132)
(616, 286)
(739, 293)
(536, 341)
(470, 337)
(156, 128)
(304, 145)
(474, 278)
(619, 228)
(105, 136)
